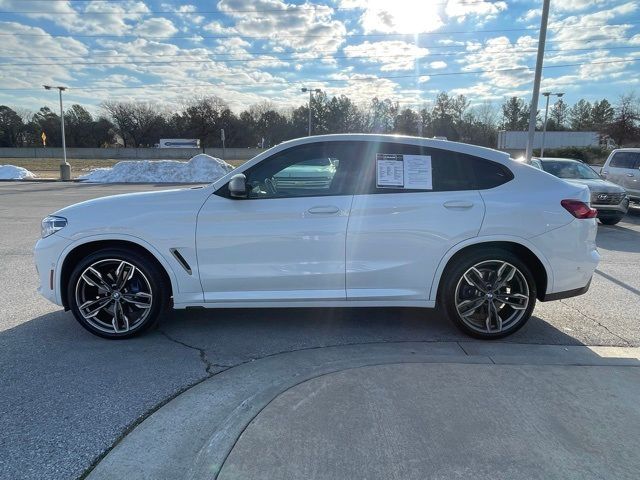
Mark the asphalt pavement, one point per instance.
(67, 397)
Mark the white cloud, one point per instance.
(498, 54)
(438, 64)
(94, 17)
(156, 27)
(311, 28)
(397, 16)
(15, 48)
(590, 30)
(485, 10)
(392, 55)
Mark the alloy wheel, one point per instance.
(113, 296)
(492, 296)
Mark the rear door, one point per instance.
(397, 234)
(623, 169)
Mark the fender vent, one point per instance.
(181, 260)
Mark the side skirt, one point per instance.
(310, 304)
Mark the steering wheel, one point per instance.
(270, 186)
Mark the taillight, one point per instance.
(579, 209)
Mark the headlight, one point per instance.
(51, 225)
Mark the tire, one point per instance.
(463, 290)
(610, 220)
(127, 283)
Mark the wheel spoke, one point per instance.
(504, 275)
(124, 272)
(492, 313)
(88, 310)
(94, 278)
(118, 315)
(473, 276)
(469, 307)
(517, 301)
(140, 299)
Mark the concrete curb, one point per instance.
(192, 435)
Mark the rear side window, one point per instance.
(451, 171)
(625, 160)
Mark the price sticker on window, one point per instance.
(411, 172)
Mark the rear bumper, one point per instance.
(549, 297)
(572, 255)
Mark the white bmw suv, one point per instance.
(395, 221)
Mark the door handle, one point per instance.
(323, 210)
(605, 172)
(630, 175)
(457, 204)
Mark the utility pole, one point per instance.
(65, 168)
(546, 112)
(311, 91)
(533, 113)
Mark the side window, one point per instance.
(625, 160)
(489, 174)
(451, 171)
(316, 169)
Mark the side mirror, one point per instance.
(238, 186)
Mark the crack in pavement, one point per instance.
(627, 342)
(203, 355)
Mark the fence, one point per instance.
(129, 153)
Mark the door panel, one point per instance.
(273, 249)
(395, 241)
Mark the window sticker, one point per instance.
(390, 170)
(411, 172)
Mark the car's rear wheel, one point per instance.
(488, 294)
(115, 293)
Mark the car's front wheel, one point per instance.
(611, 220)
(116, 293)
(488, 294)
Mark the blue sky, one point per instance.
(252, 51)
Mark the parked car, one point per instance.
(623, 168)
(609, 199)
(404, 222)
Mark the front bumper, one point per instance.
(46, 254)
(612, 210)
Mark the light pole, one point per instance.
(65, 168)
(311, 92)
(546, 112)
(533, 113)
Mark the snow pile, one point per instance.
(200, 169)
(11, 172)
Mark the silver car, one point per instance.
(623, 167)
(611, 200)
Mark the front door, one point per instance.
(286, 241)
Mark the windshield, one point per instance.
(574, 170)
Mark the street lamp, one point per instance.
(65, 168)
(311, 92)
(546, 112)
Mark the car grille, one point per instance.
(602, 198)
